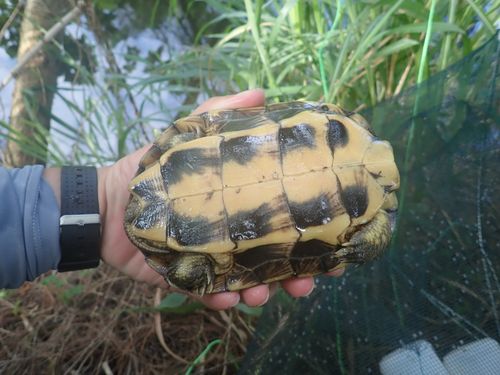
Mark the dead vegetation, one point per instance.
(99, 322)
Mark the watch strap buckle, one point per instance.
(79, 219)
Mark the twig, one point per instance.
(402, 80)
(227, 341)
(12, 17)
(24, 319)
(230, 323)
(159, 331)
(105, 367)
(49, 35)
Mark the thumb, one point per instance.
(249, 98)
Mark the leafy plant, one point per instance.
(352, 53)
(65, 290)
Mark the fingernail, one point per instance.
(310, 290)
(229, 99)
(247, 91)
(243, 92)
(265, 301)
(236, 298)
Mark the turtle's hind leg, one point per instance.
(370, 241)
(193, 272)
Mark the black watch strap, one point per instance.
(80, 225)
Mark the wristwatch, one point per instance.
(80, 223)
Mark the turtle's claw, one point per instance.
(192, 272)
(369, 242)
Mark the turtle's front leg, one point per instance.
(370, 241)
(193, 272)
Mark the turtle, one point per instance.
(232, 198)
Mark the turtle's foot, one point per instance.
(188, 271)
(370, 241)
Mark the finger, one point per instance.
(137, 154)
(337, 272)
(256, 295)
(221, 301)
(141, 271)
(249, 98)
(298, 287)
(148, 275)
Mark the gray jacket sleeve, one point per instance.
(29, 226)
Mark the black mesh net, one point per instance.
(432, 304)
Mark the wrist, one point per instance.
(52, 176)
(102, 174)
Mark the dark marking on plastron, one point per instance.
(354, 199)
(140, 169)
(337, 134)
(251, 224)
(188, 162)
(196, 230)
(260, 255)
(297, 137)
(314, 212)
(313, 256)
(156, 245)
(265, 261)
(150, 216)
(243, 149)
(145, 189)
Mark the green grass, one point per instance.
(354, 54)
(351, 53)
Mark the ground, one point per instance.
(99, 321)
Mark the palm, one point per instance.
(118, 251)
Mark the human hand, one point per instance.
(119, 252)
